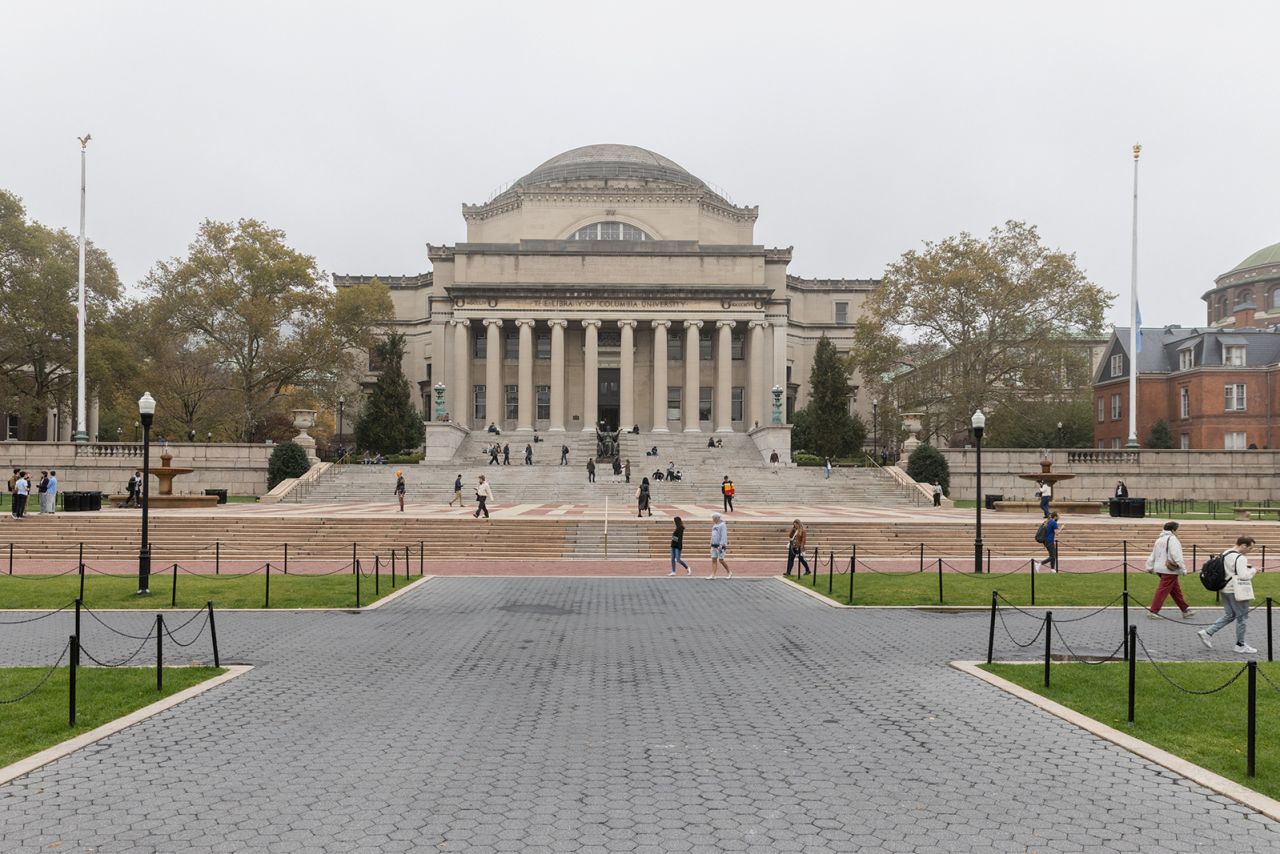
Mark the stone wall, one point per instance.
(105, 467)
(1245, 476)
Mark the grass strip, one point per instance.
(1208, 730)
(1063, 588)
(227, 591)
(102, 695)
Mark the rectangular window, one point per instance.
(479, 408)
(1117, 364)
(543, 396)
(1186, 442)
(704, 345)
(1115, 444)
(1116, 410)
(704, 403)
(842, 314)
(735, 404)
(11, 427)
(610, 337)
(1235, 401)
(1233, 441)
(1233, 356)
(543, 345)
(480, 346)
(675, 347)
(736, 342)
(1186, 359)
(375, 363)
(511, 345)
(673, 402)
(1102, 409)
(512, 400)
(1184, 402)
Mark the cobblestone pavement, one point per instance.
(601, 715)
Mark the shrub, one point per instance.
(287, 460)
(927, 465)
(802, 459)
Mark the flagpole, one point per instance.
(1133, 314)
(82, 432)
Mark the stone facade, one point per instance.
(611, 285)
(239, 469)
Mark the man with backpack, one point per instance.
(1047, 535)
(1237, 591)
(1166, 561)
(727, 490)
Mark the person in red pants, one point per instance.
(1167, 562)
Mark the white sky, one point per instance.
(860, 129)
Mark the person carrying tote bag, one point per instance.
(1236, 596)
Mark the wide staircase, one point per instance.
(547, 482)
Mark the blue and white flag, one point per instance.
(1138, 323)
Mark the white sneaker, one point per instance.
(1153, 615)
(1244, 649)
(672, 572)
(1204, 639)
(1188, 614)
(688, 571)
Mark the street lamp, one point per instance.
(147, 411)
(135, 431)
(342, 403)
(1059, 434)
(208, 437)
(119, 431)
(979, 421)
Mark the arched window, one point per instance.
(610, 231)
(1274, 302)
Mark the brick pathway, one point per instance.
(600, 715)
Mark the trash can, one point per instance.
(91, 501)
(990, 502)
(221, 493)
(71, 502)
(1136, 508)
(1115, 507)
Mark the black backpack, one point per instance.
(1213, 574)
(1042, 533)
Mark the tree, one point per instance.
(1161, 436)
(286, 461)
(264, 313)
(1035, 425)
(825, 427)
(388, 423)
(927, 465)
(996, 319)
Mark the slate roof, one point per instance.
(1162, 344)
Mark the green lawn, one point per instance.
(102, 695)
(226, 591)
(1207, 730)
(965, 588)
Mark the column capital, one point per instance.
(525, 321)
(721, 324)
(493, 321)
(560, 323)
(693, 324)
(625, 323)
(460, 322)
(587, 323)
(665, 324)
(758, 324)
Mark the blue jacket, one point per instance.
(1051, 531)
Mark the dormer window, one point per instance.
(1117, 365)
(610, 231)
(1186, 359)
(1233, 355)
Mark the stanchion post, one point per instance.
(853, 568)
(393, 569)
(173, 594)
(831, 570)
(422, 559)
(939, 581)
(1269, 655)
(159, 652)
(286, 558)
(1125, 565)
(355, 568)
(213, 634)
(11, 558)
(266, 601)
(1131, 654)
(1124, 611)
(217, 557)
(406, 563)
(377, 561)
(988, 561)
(1253, 715)
(922, 557)
(79, 602)
(353, 555)
(1048, 644)
(1033, 582)
(80, 566)
(991, 632)
(817, 562)
(1264, 557)
(71, 673)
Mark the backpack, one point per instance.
(728, 489)
(1213, 574)
(1042, 533)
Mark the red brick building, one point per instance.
(1248, 294)
(1217, 388)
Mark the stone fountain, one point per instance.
(163, 498)
(1047, 475)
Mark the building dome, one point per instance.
(609, 161)
(1265, 256)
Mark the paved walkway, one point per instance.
(599, 715)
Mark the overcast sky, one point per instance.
(860, 129)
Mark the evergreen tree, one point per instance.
(825, 427)
(389, 424)
(1161, 436)
(927, 465)
(287, 460)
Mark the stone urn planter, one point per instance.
(305, 419)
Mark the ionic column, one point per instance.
(51, 425)
(779, 365)
(460, 409)
(525, 412)
(493, 371)
(93, 419)
(660, 328)
(691, 360)
(627, 375)
(724, 376)
(757, 389)
(557, 374)
(591, 376)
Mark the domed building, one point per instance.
(1249, 293)
(612, 285)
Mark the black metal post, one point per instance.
(406, 563)
(79, 602)
(80, 566)
(988, 561)
(144, 551)
(159, 652)
(213, 633)
(286, 558)
(422, 559)
(217, 558)
(1253, 715)
(977, 538)
(1048, 644)
(817, 561)
(939, 581)
(71, 673)
(922, 557)
(1033, 582)
(267, 600)
(393, 568)
(831, 571)
(853, 568)
(1125, 564)
(991, 632)
(1125, 613)
(1269, 656)
(11, 558)
(1131, 641)
(376, 566)
(173, 598)
(355, 567)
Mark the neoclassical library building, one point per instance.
(611, 285)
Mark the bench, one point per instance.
(1244, 514)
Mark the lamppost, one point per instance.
(979, 421)
(208, 437)
(147, 411)
(119, 431)
(135, 431)
(342, 403)
(1059, 434)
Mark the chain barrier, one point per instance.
(1110, 657)
(1016, 608)
(122, 662)
(111, 628)
(902, 574)
(42, 576)
(1264, 675)
(1116, 568)
(1166, 677)
(218, 576)
(34, 619)
(43, 679)
(194, 637)
(1093, 613)
(195, 616)
(1005, 626)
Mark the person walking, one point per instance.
(937, 494)
(626, 471)
(591, 470)
(642, 498)
(719, 544)
(528, 454)
(457, 491)
(506, 453)
(677, 546)
(132, 499)
(483, 494)
(1051, 528)
(21, 489)
(727, 491)
(399, 491)
(42, 489)
(564, 455)
(1045, 492)
(13, 479)
(1166, 560)
(493, 455)
(826, 468)
(617, 469)
(1236, 596)
(52, 492)
(774, 459)
(795, 547)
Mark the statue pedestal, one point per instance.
(304, 419)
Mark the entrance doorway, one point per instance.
(609, 396)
